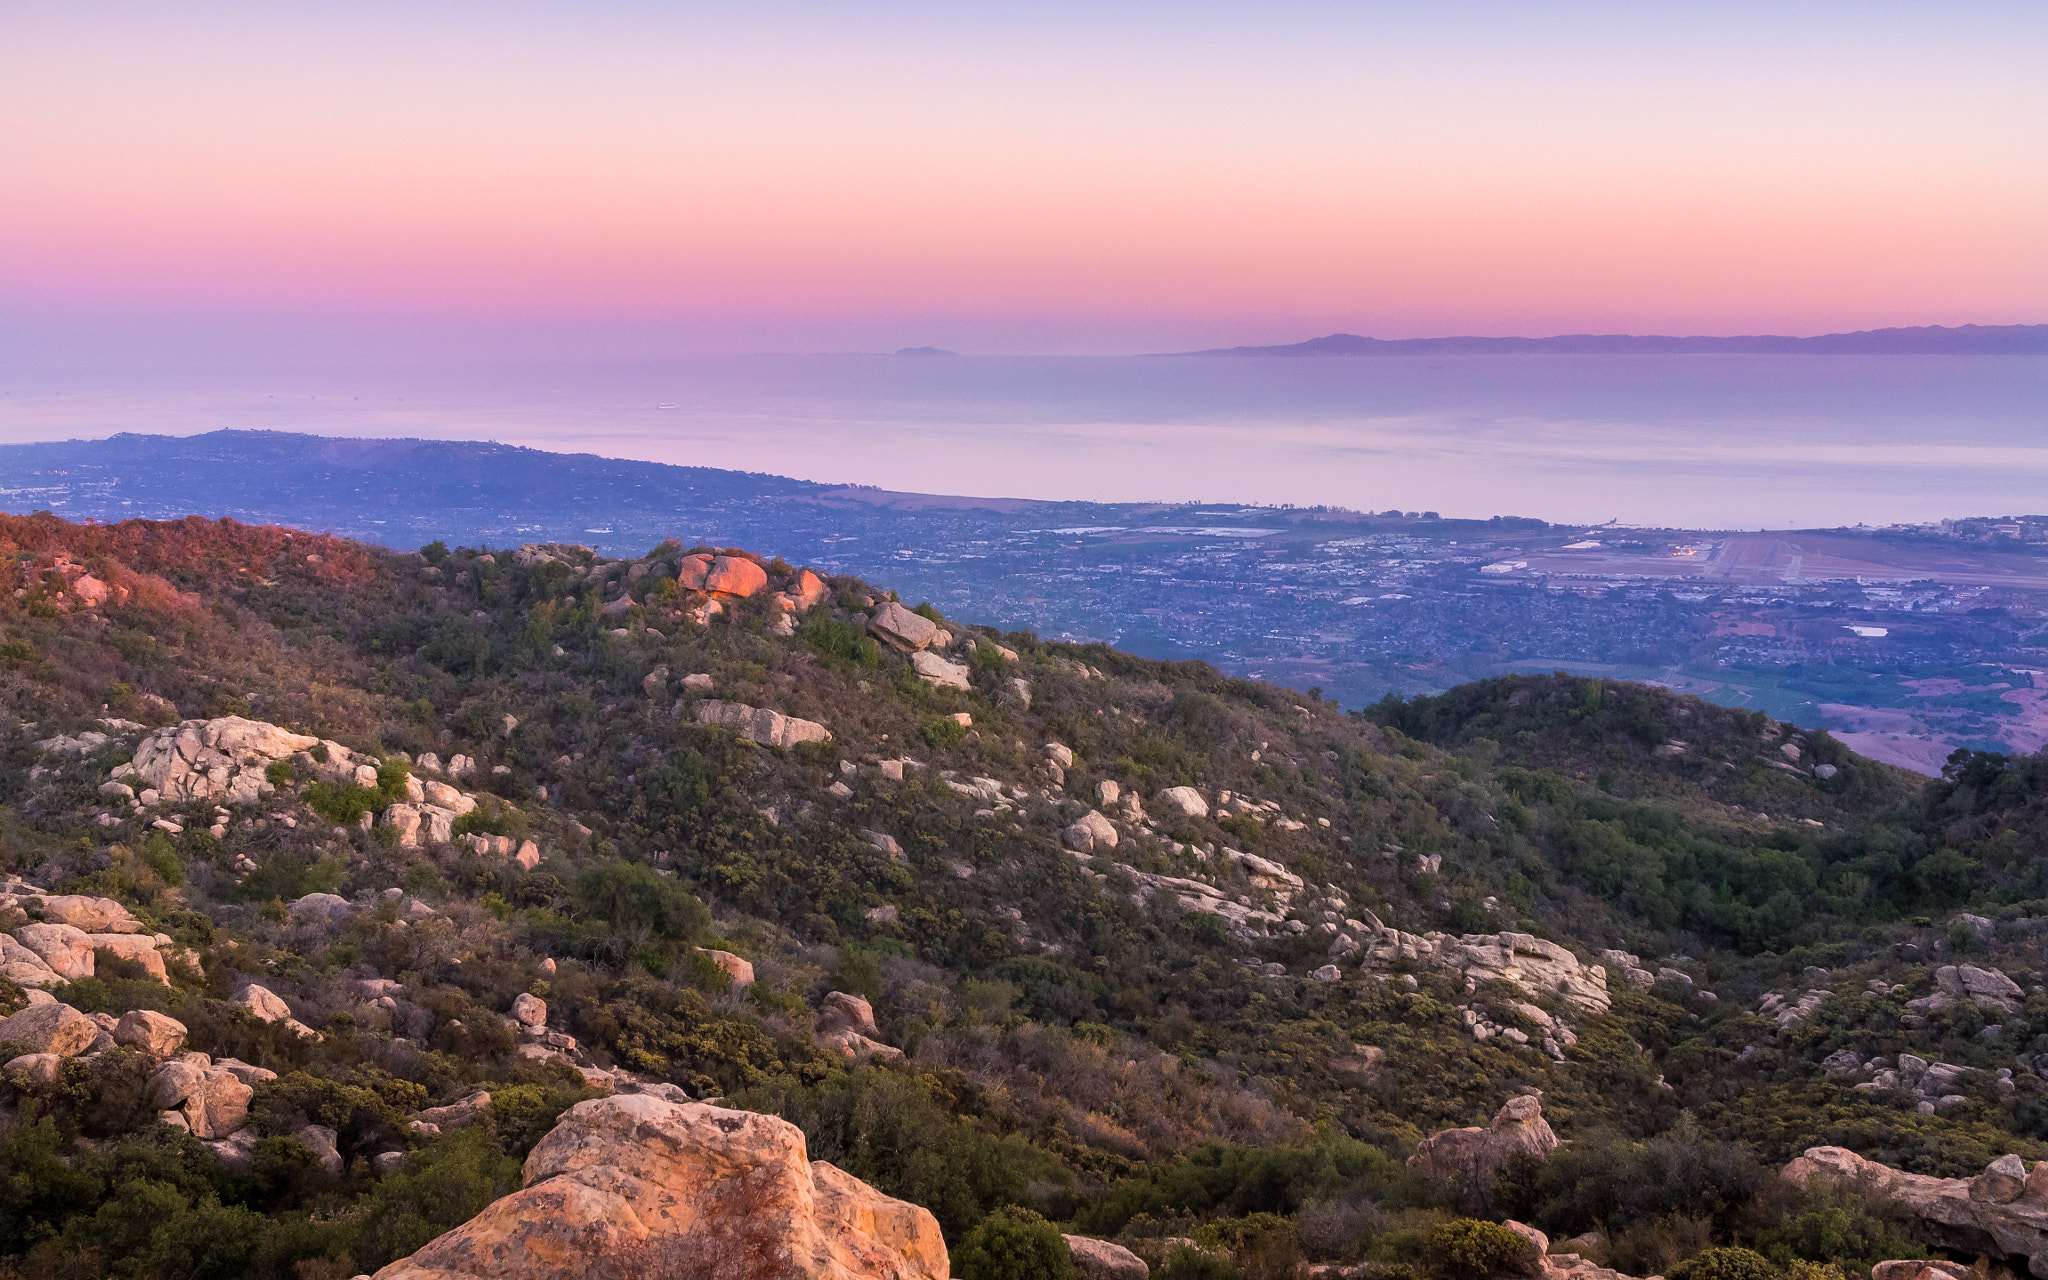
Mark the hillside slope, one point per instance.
(1155, 953)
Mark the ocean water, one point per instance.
(1686, 441)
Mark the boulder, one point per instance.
(1103, 1260)
(455, 1115)
(25, 968)
(1091, 832)
(154, 1033)
(939, 673)
(91, 915)
(51, 1028)
(442, 796)
(841, 1010)
(691, 572)
(735, 576)
(809, 590)
(37, 1071)
(263, 1004)
(321, 1141)
(901, 629)
(1185, 801)
(742, 972)
(633, 1184)
(139, 948)
(219, 1106)
(528, 856)
(67, 950)
(1474, 1157)
(237, 1151)
(530, 1009)
(173, 1082)
(758, 724)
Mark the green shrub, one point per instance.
(1467, 1249)
(1725, 1263)
(842, 640)
(941, 732)
(1013, 1244)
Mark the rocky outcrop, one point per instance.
(1475, 1157)
(901, 629)
(635, 1185)
(1957, 983)
(758, 724)
(2002, 1211)
(222, 759)
(1531, 963)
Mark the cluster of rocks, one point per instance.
(207, 1098)
(1553, 1034)
(1934, 1083)
(67, 932)
(2002, 1212)
(1966, 983)
(79, 587)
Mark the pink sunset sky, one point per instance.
(622, 179)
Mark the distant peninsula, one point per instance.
(1919, 340)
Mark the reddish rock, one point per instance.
(734, 576)
(637, 1185)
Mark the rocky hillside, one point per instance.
(352, 895)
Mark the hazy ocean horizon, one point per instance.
(1692, 441)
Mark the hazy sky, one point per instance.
(226, 181)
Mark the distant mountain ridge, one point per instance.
(1918, 340)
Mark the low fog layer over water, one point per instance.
(1695, 441)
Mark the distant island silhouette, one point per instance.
(1919, 340)
(926, 351)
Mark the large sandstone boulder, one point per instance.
(156, 1034)
(1475, 1157)
(847, 1023)
(741, 971)
(91, 915)
(2001, 1212)
(939, 673)
(262, 1003)
(1091, 832)
(139, 948)
(1185, 801)
(530, 1009)
(24, 967)
(51, 1028)
(634, 1185)
(758, 724)
(692, 571)
(65, 949)
(902, 629)
(809, 590)
(1104, 1260)
(735, 576)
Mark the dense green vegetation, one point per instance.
(1077, 1050)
